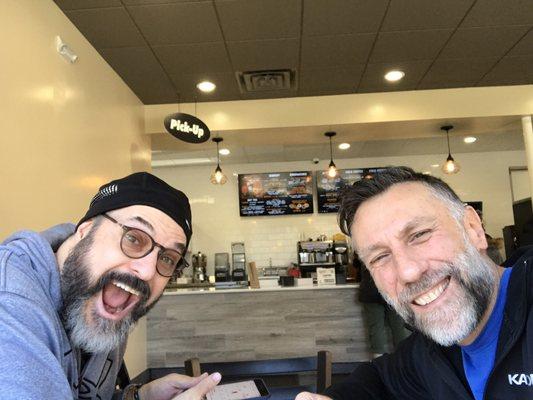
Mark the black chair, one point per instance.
(282, 376)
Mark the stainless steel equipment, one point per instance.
(222, 272)
(340, 249)
(313, 254)
(238, 258)
(199, 263)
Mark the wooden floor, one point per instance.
(256, 325)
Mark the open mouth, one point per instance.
(117, 300)
(432, 294)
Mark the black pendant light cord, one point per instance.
(330, 150)
(447, 128)
(330, 135)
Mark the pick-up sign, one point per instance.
(187, 127)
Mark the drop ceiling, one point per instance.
(163, 48)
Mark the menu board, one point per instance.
(329, 189)
(276, 193)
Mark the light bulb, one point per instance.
(218, 176)
(332, 171)
(451, 166)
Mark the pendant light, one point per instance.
(450, 166)
(332, 168)
(218, 177)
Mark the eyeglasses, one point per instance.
(136, 243)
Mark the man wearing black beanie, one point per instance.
(69, 296)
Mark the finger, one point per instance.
(190, 381)
(310, 396)
(204, 386)
(178, 381)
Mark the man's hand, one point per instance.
(181, 387)
(311, 396)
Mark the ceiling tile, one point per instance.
(457, 72)
(226, 89)
(499, 12)
(511, 71)
(142, 73)
(333, 17)
(408, 45)
(342, 50)
(331, 79)
(177, 23)
(373, 79)
(191, 58)
(257, 19)
(106, 27)
(482, 42)
(406, 15)
(264, 54)
(83, 4)
(524, 47)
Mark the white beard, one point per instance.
(450, 324)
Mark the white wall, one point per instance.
(216, 221)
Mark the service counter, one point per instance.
(253, 324)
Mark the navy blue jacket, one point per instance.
(420, 369)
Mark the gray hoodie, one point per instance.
(37, 360)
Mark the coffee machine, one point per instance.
(341, 254)
(340, 249)
(222, 272)
(199, 263)
(238, 258)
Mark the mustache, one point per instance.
(128, 279)
(427, 281)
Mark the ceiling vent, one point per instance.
(264, 81)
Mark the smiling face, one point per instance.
(428, 265)
(104, 291)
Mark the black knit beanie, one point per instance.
(144, 189)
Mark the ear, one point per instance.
(84, 229)
(474, 228)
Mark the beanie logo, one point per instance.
(104, 192)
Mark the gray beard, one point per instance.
(87, 330)
(458, 318)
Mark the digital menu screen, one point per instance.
(329, 189)
(276, 193)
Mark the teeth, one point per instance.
(127, 288)
(432, 295)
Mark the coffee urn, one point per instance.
(199, 264)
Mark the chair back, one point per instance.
(239, 370)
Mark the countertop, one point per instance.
(209, 290)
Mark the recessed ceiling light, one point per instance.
(224, 152)
(427, 172)
(469, 139)
(344, 146)
(435, 165)
(206, 86)
(394, 76)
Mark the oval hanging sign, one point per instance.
(187, 127)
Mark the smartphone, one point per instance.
(252, 389)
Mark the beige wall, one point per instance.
(216, 221)
(65, 128)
